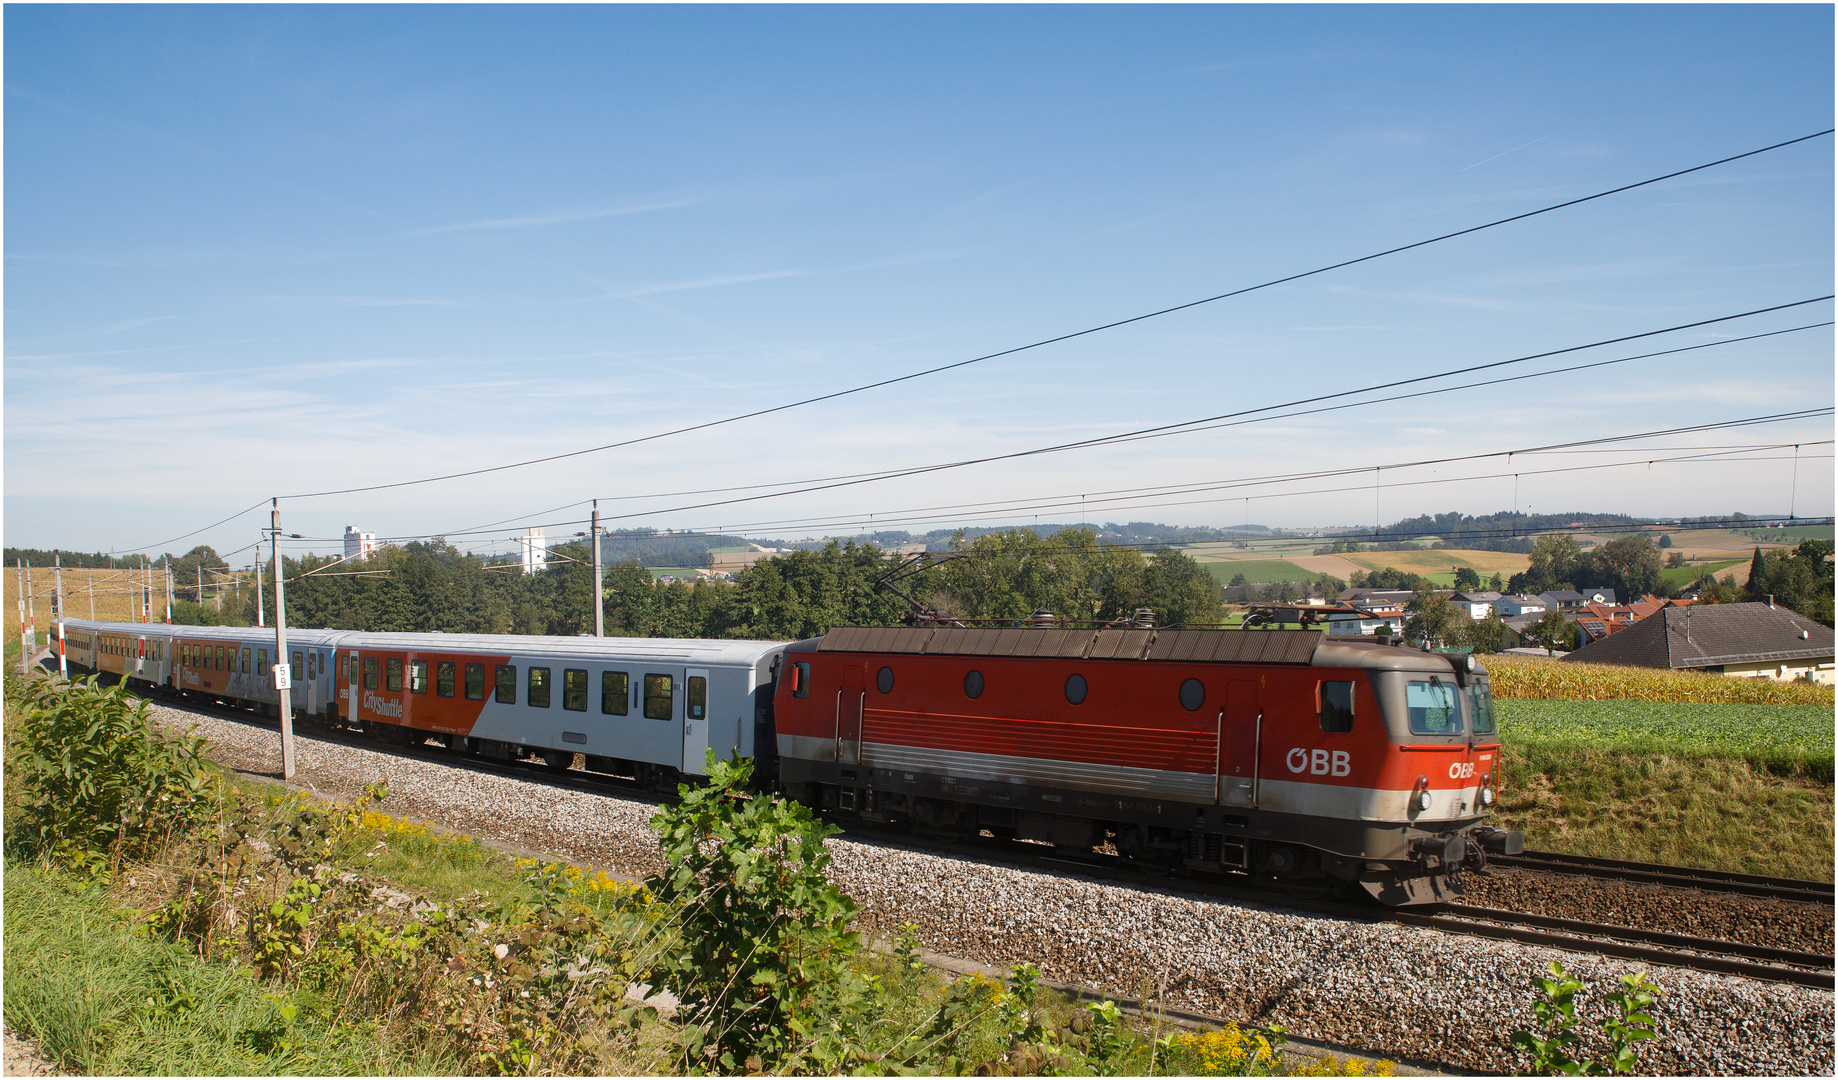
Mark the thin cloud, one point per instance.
(1503, 153)
(537, 220)
(707, 283)
(125, 325)
(364, 301)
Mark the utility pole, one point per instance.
(599, 595)
(19, 567)
(57, 570)
(283, 682)
(169, 592)
(259, 616)
(92, 593)
(30, 644)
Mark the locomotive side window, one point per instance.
(574, 690)
(883, 680)
(1336, 706)
(1433, 709)
(506, 677)
(417, 676)
(475, 682)
(393, 674)
(615, 687)
(443, 678)
(801, 680)
(1193, 694)
(370, 673)
(1076, 689)
(1480, 705)
(973, 685)
(659, 692)
(539, 688)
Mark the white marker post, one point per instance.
(283, 683)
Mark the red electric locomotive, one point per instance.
(1282, 754)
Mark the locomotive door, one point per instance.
(1238, 738)
(851, 701)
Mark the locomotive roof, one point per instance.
(1205, 646)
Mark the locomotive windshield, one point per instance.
(1433, 707)
(1480, 705)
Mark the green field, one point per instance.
(1682, 576)
(1790, 738)
(681, 573)
(1791, 534)
(1258, 571)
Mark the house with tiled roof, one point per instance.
(1509, 606)
(1477, 603)
(1753, 640)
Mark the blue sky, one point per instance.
(260, 251)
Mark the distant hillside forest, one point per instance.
(1004, 576)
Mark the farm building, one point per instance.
(1753, 640)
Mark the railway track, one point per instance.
(1679, 877)
(1622, 942)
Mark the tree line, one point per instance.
(1005, 576)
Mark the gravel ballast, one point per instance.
(1393, 990)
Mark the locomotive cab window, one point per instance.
(370, 673)
(539, 688)
(1480, 705)
(801, 680)
(475, 682)
(507, 684)
(615, 688)
(417, 676)
(443, 678)
(1336, 706)
(696, 704)
(659, 694)
(574, 690)
(1433, 708)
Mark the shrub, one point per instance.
(101, 782)
(1551, 1049)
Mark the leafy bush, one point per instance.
(1552, 1049)
(101, 782)
(1539, 677)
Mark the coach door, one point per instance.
(695, 721)
(351, 699)
(1239, 735)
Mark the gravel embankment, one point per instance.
(1394, 990)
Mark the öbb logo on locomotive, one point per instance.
(1301, 762)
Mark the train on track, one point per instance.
(1305, 762)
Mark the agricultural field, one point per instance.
(1521, 677)
(1785, 740)
(1258, 571)
(1682, 576)
(1434, 562)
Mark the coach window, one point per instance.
(883, 680)
(370, 673)
(1076, 689)
(574, 690)
(973, 685)
(341, 666)
(1432, 707)
(475, 682)
(539, 688)
(392, 674)
(299, 665)
(506, 677)
(615, 687)
(443, 678)
(312, 665)
(246, 661)
(696, 705)
(1336, 706)
(417, 676)
(1193, 694)
(220, 658)
(801, 680)
(659, 690)
(262, 656)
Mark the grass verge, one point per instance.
(1783, 740)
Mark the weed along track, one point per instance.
(1350, 978)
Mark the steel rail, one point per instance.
(1680, 877)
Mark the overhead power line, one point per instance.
(879, 384)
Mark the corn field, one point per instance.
(1539, 677)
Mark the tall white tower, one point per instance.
(535, 553)
(359, 545)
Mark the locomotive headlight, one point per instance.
(1423, 799)
(1486, 796)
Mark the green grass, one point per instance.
(1791, 534)
(101, 997)
(1682, 576)
(1258, 571)
(1790, 739)
(681, 573)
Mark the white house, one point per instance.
(1509, 606)
(1477, 604)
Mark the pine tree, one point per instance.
(1758, 574)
